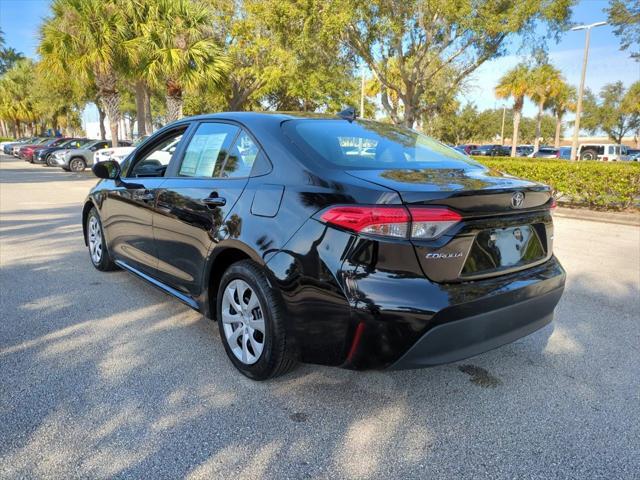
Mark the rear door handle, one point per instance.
(214, 201)
(146, 196)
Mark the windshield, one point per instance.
(371, 145)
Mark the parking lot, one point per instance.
(103, 376)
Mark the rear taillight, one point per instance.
(424, 223)
(430, 222)
(553, 206)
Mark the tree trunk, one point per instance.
(101, 115)
(3, 127)
(140, 108)
(174, 101)
(517, 113)
(558, 130)
(111, 102)
(16, 129)
(536, 142)
(148, 118)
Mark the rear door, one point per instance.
(194, 203)
(129, 207)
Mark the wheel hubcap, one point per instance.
(243, 321)
(95, 240)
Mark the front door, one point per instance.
(194, 204)
(129, 207)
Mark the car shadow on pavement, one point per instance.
(103, 376)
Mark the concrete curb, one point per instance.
(620, 218)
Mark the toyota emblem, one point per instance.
(517, 200)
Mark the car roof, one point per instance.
(251, 118)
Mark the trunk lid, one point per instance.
(506, 223)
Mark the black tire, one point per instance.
(588, 155)
(77, 164)
(277, 356)
(49, 161)
(105, 263)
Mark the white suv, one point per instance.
(605, 152)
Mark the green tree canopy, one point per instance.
(615, 111)
(422, 38)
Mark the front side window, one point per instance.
(208, 149)
(154, 162)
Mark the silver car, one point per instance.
(76, 160)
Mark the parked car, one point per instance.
(606, 152)
(76, 160)
(119, 153)
(7, 147)
(26, 152)
(15, 150)
(633, 154)
(466, 149)
(491, 151)
(302, 252)
(524, 150)
(43, 155)
(547, 152)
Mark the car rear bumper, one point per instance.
(466, 337)
(420, 323)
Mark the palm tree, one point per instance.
(137, 13)
(16, 88)
(85, 37)
(516, 84)
(546, 80)
(562, 101)
(179, 50)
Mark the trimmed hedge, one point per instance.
(599, 185)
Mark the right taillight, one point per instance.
(553, 206)
(424, 223)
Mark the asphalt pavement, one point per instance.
(102, 376)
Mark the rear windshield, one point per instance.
(371, 145)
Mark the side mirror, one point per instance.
(109, 169)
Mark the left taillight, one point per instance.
(424, 223)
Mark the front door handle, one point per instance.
(214, 201)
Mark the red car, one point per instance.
(26, 152)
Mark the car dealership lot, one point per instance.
(101, 375)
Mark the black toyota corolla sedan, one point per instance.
(329, 240)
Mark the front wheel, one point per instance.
(77, 165)
(97, 245)
(252, 324)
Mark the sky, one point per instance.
(20, 19)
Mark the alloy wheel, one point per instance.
(76, 165)
(243, 321)
(95, 240)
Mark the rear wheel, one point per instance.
(97, 245)
(251, 322)
(77, 165)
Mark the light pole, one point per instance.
(504, 113)
(362, 92)
(576, 126)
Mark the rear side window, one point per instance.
(365, 144)
(208, 149)
(241, 157)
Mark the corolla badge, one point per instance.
(517, 200)
(441, 256)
